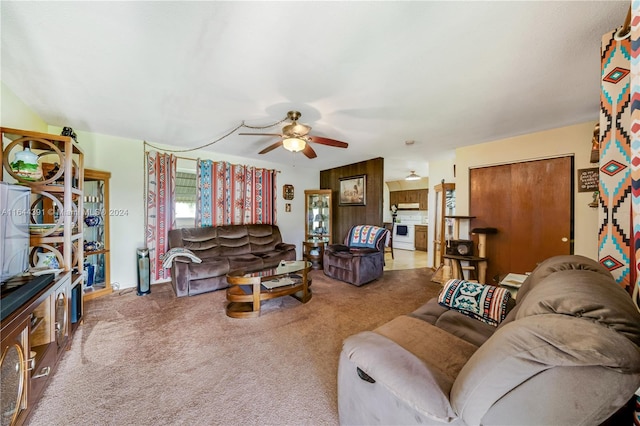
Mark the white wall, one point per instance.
(16, 114)
(439, 168)
(571, 140)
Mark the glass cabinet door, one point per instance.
(318, 215)
(96, 233)
(13, 375)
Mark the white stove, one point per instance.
(404, 231)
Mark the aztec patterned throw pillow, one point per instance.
(486, 303)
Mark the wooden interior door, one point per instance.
(531, 205)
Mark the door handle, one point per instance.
(565, 239)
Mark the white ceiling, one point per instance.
(373, 74)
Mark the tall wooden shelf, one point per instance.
(36, 334)
(444, 205)
(96, 202)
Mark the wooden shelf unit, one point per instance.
(36, 334)
(96, 202)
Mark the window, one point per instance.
(185, 199)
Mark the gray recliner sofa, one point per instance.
(222, 249)
(568, 353)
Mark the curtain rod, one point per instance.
(196, 159)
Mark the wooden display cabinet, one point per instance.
(97, 253)
(318, 212)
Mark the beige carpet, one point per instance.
(162, 360)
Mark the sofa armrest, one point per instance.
(363, 251)
(175, 238)
(285, 246)
(400, 372)
(332, 248)
(180, 276)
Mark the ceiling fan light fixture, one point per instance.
(294, 144)
(412, 176)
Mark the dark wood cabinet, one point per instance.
(410, 196)
(421, 237)
(34, 338)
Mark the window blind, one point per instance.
(185, 187)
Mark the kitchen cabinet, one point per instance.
(412, 196)
(421, 237)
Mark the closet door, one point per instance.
(531, 205)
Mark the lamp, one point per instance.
(294, 144)
(412, 176)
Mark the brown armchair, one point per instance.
(361, 258)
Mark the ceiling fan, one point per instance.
(295, 137)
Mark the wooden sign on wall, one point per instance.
(588, 179)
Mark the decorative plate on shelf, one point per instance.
(43, 228)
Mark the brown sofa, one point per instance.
(223, 249)
(568, 353)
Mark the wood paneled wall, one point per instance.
(344, 217)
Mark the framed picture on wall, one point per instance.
(353, 191)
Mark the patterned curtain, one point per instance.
(615, 174)
(161, 188)
(635, 158)
(620, 162)
(232, 194)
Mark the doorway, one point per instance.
(531, 205)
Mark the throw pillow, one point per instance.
(168, 257)
(486, 303)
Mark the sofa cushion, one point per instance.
(245, 262)
(465, 327)
(539, 346)
(210, 267)
(483, 302)
(454, 322)
(584, 294)
(263, 238)
(556, 264)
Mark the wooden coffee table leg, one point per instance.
(256, 297)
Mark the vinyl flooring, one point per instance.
(405, 259)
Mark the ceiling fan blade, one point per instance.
(309, 152)
(326, 141)
(271, 147)
(260, 134)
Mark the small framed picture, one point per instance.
(287, 207)
(353, 191)
(287, 192)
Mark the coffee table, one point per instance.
(247, 290)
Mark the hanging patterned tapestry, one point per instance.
(161, 188)
(635, 157)
(615, 234)
(232, 194)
